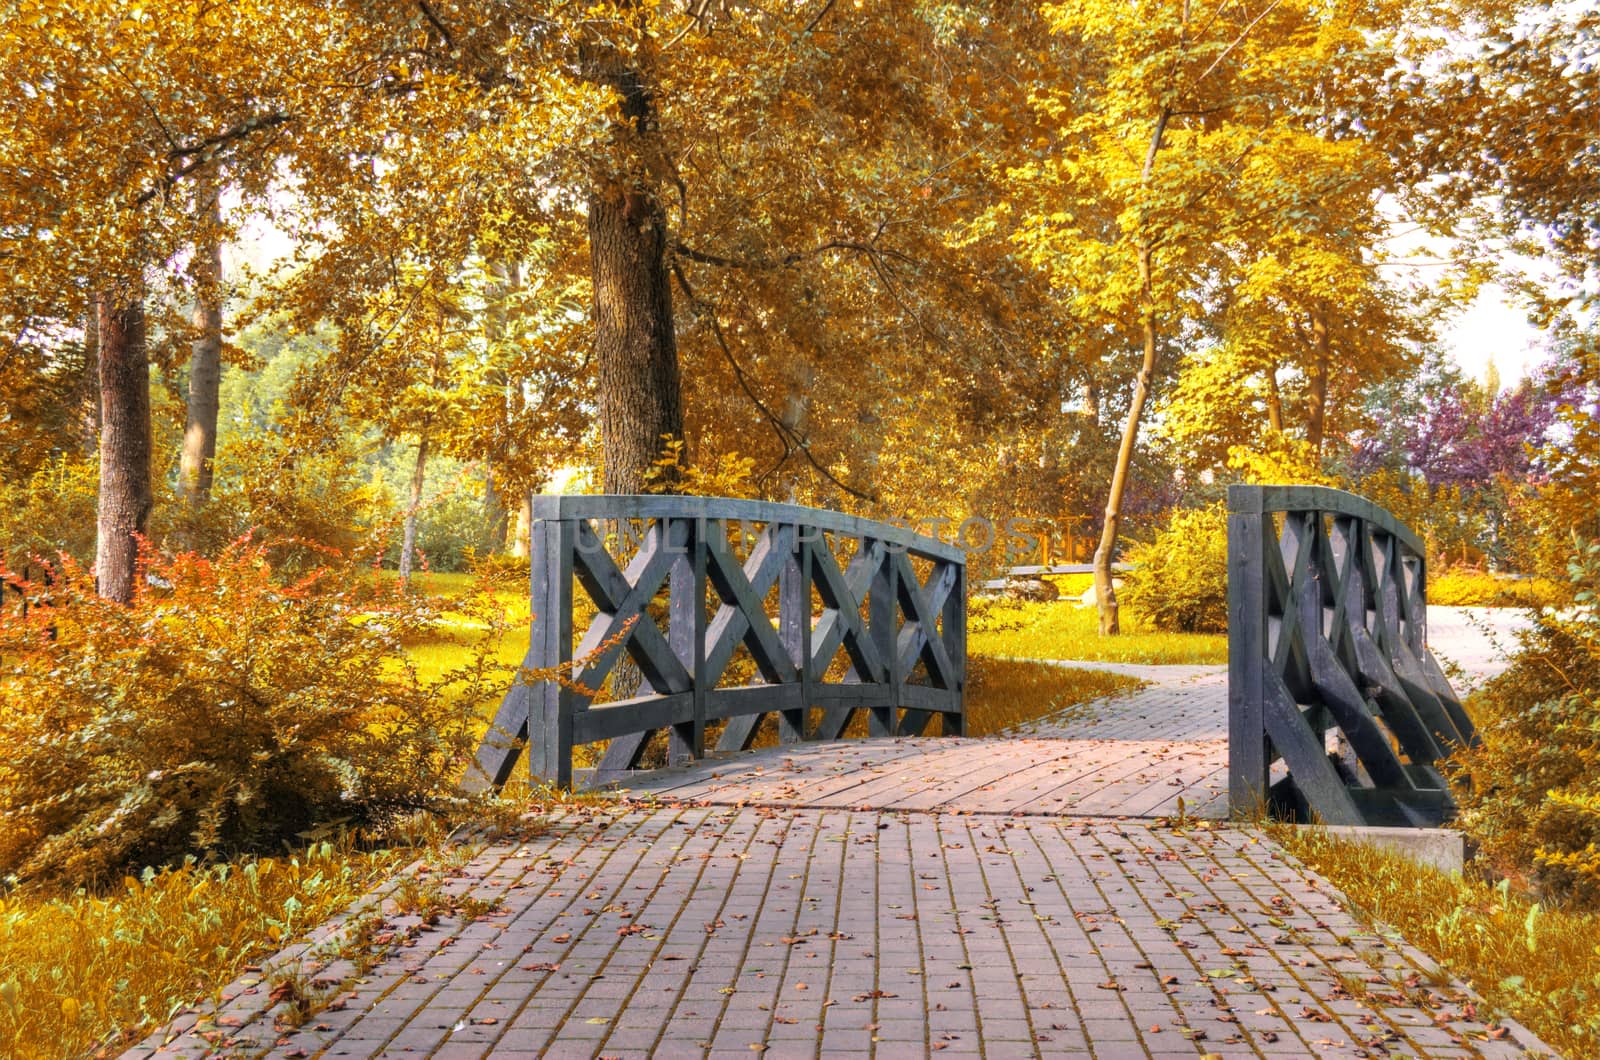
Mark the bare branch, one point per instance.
(793, 441)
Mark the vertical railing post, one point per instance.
(953, 628)
(686, 636)
(794, 629)
(551, 704)
(882, 606)
(1247, 651)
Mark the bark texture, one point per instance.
(636, 350)
(408, 539)
(495, 517)
(1317, 381)
(205, 369)
(1105, 589)
(1274, 400)
(125, 496)
(521, 531)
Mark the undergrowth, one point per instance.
(1466, 587)
(1536, 962)
(86, 969)
(1531, 791)
(227, 711)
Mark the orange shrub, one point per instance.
(226, 710)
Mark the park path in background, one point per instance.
(1007, 897)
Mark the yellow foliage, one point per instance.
(731, 475)
(1179, 579)
(1532, 786)
(89, 968)
(225, 710)
(1538, 963)
(1465, 587)
(1280, 460)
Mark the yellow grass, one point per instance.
(1005, 693)
(1001, 694)
(83, 969)
(1538, 964)
(1064, 630)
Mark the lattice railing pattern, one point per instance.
(834, 615)
(1328, 644)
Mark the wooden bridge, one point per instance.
(1041, 893)
(1336, 707)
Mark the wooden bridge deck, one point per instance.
(1133, 755)
(895, 897)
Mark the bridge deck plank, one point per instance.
(1131, 755)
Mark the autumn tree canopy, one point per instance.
(1043, 259)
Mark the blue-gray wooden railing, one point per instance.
(875, 597)
(1328, 634)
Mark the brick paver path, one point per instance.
(887, 897)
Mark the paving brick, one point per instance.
(818, 897)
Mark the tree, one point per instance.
(125, 493)
(748, 201)
(205, 362)
(1499, 140)
(91, 195)
(1166, 170)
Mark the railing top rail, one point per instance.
(681, 506)
(1259, 500)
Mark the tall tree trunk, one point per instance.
(125, 496)
(496, 518)
(1105, 588)
(408, 538)
(205, 362)
(1317, 405)
(635, 346)
(796, 413)
(506, 278)
(1274, 400)
(523, 529)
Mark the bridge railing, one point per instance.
(1328, 644)
(837, 614)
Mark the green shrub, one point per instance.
(1533, 803)
(226, 710)
(49, 513)
(1179, 580)
(1466, 587)
(304, 503)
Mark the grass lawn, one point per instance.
(1064, 630)
(1005, 693)
(1538, 964)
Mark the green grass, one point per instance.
(1538, 964)
(1064, 630)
